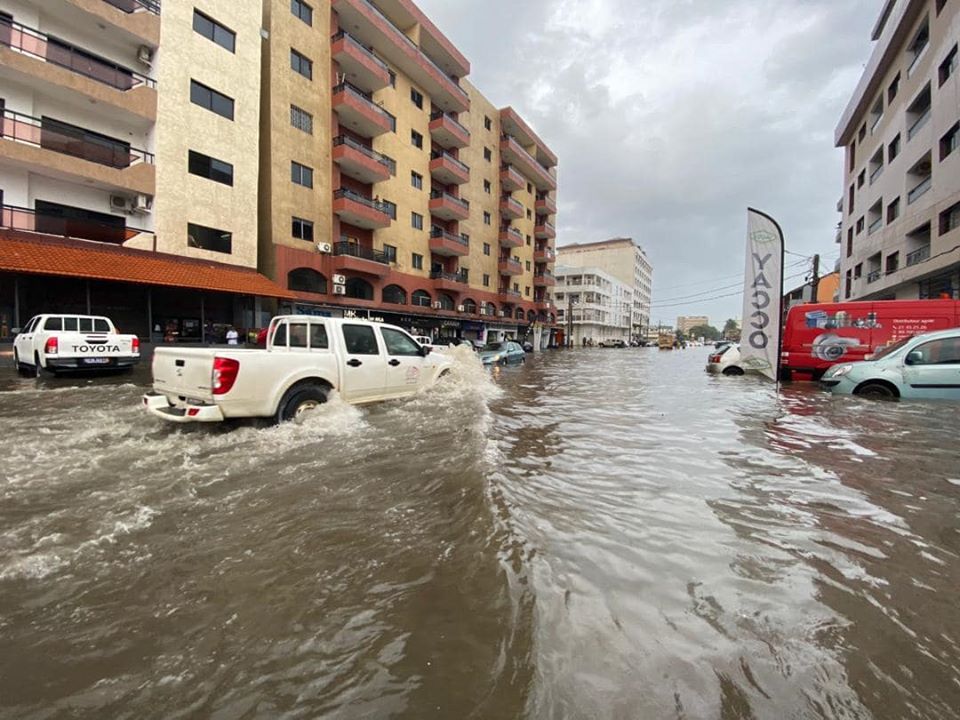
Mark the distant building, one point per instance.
(685, 323)
(900, 231)
(593, 304)
(624, 260)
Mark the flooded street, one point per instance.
(596, 534)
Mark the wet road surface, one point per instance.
(596, 534)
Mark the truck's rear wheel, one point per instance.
(300, 400)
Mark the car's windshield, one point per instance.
(493, 347)
(883, 352)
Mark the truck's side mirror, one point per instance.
(425, 350)
(16, 331)
(915, 358)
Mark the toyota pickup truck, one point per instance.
(306, 358)
(73, 342)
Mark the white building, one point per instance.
(592, 304)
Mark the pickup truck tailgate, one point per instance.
(183, 372)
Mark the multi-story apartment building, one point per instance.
(390, 186)
(900, 232)
(623, 259)
(128, 166)
(593, 305)
(685, 323)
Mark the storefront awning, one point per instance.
(46, 255)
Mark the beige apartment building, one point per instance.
(685, 323)
(390, 187)
(900, 232)
(593, 305)
(624, 260)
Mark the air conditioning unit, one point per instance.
(339, 279)
(339, 290)
(437, 305)
(502, 313)
(324, 248)
(461, 308)
(119, 202)
(141, 204)
(483, 311)
(145, 55)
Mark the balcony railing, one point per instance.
(875, 225)
(357, 197)
(919, 189)
(546, 274)
(69, 140)
(437, 194)
(452, 277)
(441, 233)
(509, 292)
(368, 99)
(342, 35)
(440, 113)
(918, 256)
(384, 160)
(873, 276)
(132, 6)
(918, 124)
(356, 250)
(875, 174)
(437, 154)
(47, 223)
(36, 44)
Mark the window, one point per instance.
(948, 66)
(207, 238)
(529, 240)
(526, 291)
(516, 287)
(465, 237)
(893, 89)
(486, 280)
(919, 44)
(416, 139)
(212, 30)
(390, 252)
(486, 248)
(893, 149)
(528, 265)
(390, 208)
(849, 242)
(465, 274)
(487, 123)
(302, 229)
(301, 119)
(416, 98)
(529, 188)
(417, 261)
(861, 178)
(211, 100)
(318, 337)
(860, 225)
(940, 5)
(862, 133)
(416, 221)
(54, 323)
(420, 298)
(301, 174)
(394, 295)
(360, 340)
(529, 214)
(487, 155)
(306, 280)
(358, 289)
(948, 143)
(416, 179)
(950, 219)
(487, 188)
(210, 168)
(486, 218)
(393, 78)
(893, 263)
(399, 343)
(301, 64)
(893, 210)
(936, 352)
(301, 10)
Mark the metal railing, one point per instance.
(918, 124)
(534, 163)
(548, 227)
(508, 291)
(384, 160)
(36, 44)
(875, 174)
(873, 276)
(547, 255)
(545, 274)
(348, 194)
(875, 225)
(343, 35)
(440, 114)
(511, 263)
(452, 277)
(439, 195)
(356, 250)
(440, 154)
(512, 231)
(367, 98)
(918, 256)
(452, 237)
(132, 6)
(37, 221)
(68, 140)
(920, 189)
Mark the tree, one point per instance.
(731, 330)
(707, 332)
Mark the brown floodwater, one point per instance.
(596, 534)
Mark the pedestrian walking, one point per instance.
(232, 336)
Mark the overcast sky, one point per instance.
(670, 117)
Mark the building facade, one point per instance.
(685, 323)
(623, 259)
(900, 231)
(593, 305)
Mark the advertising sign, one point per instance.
(762, 295)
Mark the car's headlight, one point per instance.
(840, 370)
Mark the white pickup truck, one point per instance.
(305, 359)
(73, 342)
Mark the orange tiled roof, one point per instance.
(48, 255)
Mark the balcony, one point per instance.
(918, 256)
(67, 152)
(447, 207)
(374, 29)
(919, 189)
(139, 20)
(360, 211)
(34, 59)
(364, 69)
(918, 124)
(445, 168)
(873, 276)
(875, 225)
(449, 282)
(514, 154)
(353, 257)
(544, 279)
(511, 179)
(361, 162)
(448, 244)
(359, 112)
(509, 266)
(27, 220)
(545, 231)
(510, 208)
(545, 205)
(544, 255)
(508, 295)
(514, 125)
(447, 132)
(510, 237)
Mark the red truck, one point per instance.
(818, 335)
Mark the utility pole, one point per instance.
(815, 283)
(569, 320)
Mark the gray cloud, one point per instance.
(670, 117)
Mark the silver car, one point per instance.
(921, 367)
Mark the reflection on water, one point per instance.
(596, 534)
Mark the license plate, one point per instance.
(96, 361)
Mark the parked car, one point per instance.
(725, 361)
(922, 367)
(613, 343)
(502, 353)
(423, 339)
(306, 358)
(73, 342)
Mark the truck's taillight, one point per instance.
(52, 347)
(135, 345)
(224, 374)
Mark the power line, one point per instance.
(724, 287)
(711, 280)
(716, 297)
